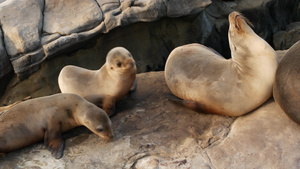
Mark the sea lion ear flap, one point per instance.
(54, 142)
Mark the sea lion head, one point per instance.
(240, 34)
(96, 119)
(120, 61)
(239, 23)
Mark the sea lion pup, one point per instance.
(286, 89)
(209, 83)
(103, 87)
(47, 118)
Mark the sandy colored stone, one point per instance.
(148, 128)
(265, 138)
(152, 132)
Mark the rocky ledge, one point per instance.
(152, 132)
(38, 29)
(33, 30)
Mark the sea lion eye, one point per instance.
(119, 64)
(100, 129)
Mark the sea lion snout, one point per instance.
(107, 136)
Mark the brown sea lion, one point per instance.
(103, 87)
(47, 118)
(209, 83)
(286, 89)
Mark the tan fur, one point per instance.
(47, 118)
(230, 87)
(103, 87)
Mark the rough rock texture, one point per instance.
(71, 16)
(286, 38)
(152, 132)
(5, 65)
(22, 33)
(42, 29)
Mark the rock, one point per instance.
(56, 26)
(5, 65)
(176, 8)
(149, 43)
(55, 30)
(284, 39)
(71, 16)
(154, 132)
(280, 53)
(22, 34)
(265, 138)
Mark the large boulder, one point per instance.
(284, 39)
(21, 23)
(5, 65)
(71, 16)
(153, 132)
(43, 29)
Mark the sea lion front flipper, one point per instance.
(133, 87)
(109, 105)
(54, 142)
(196, 106)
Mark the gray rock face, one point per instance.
(40, 29)
(5, 65)
(152, 132)
(71, 16)
(22, 34)
(52, 27)
(284, 39)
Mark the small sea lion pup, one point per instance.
(103, 87)
(47, 118)
(209, 83)
(286, 89)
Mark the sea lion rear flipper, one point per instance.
(54, 142)
(196, 106)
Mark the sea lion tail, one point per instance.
(196, 106)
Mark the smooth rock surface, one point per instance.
(21, 23)
(152, 132)
(71, 16)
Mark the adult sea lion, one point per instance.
(47, 118)
(208, 82)
(286, 89)
(103, 87)
(13, 104)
